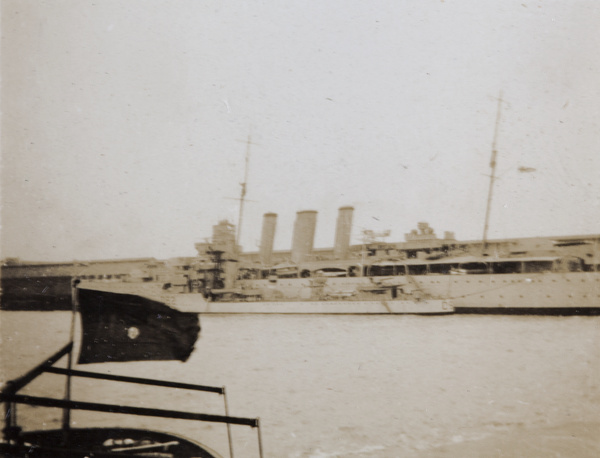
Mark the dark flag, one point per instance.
(125, 327)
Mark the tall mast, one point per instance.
(243, 192)
(492, 176)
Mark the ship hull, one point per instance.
(550, 292)
(547, 293)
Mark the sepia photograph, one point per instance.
(264, 228)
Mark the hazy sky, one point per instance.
(124, 122)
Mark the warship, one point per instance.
(561, 276)
(424, 275)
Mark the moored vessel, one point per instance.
(423, 275)
(555, 281)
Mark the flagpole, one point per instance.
(228, 425)
(66, 421)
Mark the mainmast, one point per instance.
(492, 177)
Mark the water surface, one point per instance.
(356, 386)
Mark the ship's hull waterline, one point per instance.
(195, 303)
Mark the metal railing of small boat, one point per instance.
(10, 397)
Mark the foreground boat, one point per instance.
(132, 329)
(104, 442)
(71, 442)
